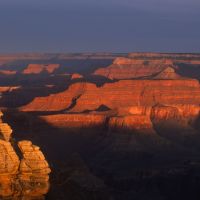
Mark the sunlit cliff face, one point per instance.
(23, 169)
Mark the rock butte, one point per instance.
(76, 76)
(131, 104)
(27, 176)
(126, 68)
(38, 68)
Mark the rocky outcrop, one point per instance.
(87, 96)
(8, 88)
(38, 68)
(55, 102)
(9, 159)
(76, 76)
(167, 73)
(139, 93)
(126, 68)
(28, 176)
(5, 131)
(130, 122)
(9, 164)
(75, 120)
(128, 118)
(135, 104)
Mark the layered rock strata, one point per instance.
(26, 177)
(126, 68)
(75, 120)
(136, 104)
(138, 118)
(87, 96)
(55, 102)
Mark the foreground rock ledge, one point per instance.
(25, 177)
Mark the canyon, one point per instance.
(129, 103)
(109, 124)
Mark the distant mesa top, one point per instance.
(39, 68)
(129, 68)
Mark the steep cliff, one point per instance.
(139, 93)
(87, 96)
(55, 102)
(75, 120)
(28, 176)
(138, 118)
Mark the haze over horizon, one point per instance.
(99, 26)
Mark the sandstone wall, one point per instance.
(120, 94)
(125, 68)
(139, 93)
(28, 176)
(75, 120)
(55, 102)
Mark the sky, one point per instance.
(55, 26)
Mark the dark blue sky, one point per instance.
(99, 25)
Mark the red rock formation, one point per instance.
(9, 164)
(55, 102)
(120, 94)
(38, 68)
(8, 72)
(27, 177)
(168, 73)
(136, 102)
(76, 76)
(139, 92)
(184, 113)
(130, 122)
(75, 120)
(125, 68)
(129, 118)
(8, 88)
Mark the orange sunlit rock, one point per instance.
(126, 68)
(27, 176)
(76, 76)
(38, 68)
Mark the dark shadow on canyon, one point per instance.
(41, 85)
(124, 164)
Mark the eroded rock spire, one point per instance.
(25, 177)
